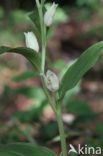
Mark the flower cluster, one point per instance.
(31, 40)
(51, 80)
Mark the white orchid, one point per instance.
(51, 81)
(49, 15)
(31, 41)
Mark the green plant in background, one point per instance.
(1, 13)
(91, 4)
(54, 89)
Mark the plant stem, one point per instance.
(61, 131)
(43, 49)
(43, 34)
(48, 96)
(58, 114)
(58, 110)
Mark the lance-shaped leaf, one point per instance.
(30, 54)
(34, 16)
(76, 71)
(25, 149)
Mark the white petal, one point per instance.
(31, 41)
(51, 81)
(48, 17)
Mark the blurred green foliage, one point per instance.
(17, 21)
(60, 17)
(79, 107)
(18, 17)
(32, 115)
(92, 32)
(48, 131)
(59, 64)
(35, 112)
(1, 13)
(26, 75)
(92, 4)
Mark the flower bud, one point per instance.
(31, 41)
(51, 81)
(49, 15)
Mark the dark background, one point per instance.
(28, 4)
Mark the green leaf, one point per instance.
(76, 71)
(51, 31)
(29, 53)
(49, 130)
(66, 67)
(70, 134)
(25, 149)
(70, 94)
(34, 16)
(73, 154)
(9, 154)
(79, 107)
(27, 132)
(59, 64)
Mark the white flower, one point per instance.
(31, 41)
(51, 81)
(49, 15)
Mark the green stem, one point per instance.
(61, 131)
(48, 96)
(43, 34)
(58, 114)
(43, 49)
(58, 110)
